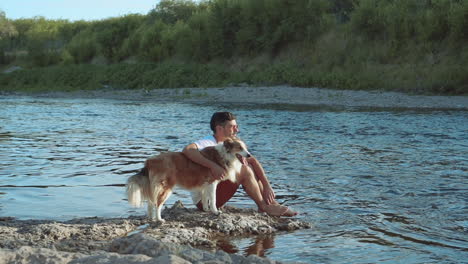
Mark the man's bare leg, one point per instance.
(251, 186)
(258, 170)
(289, 212)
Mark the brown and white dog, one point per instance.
(161, 173)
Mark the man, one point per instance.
(252, 176)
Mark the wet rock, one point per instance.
(36, 255)
(29, 255)
(199, 228)
(80, 235)
(136, 239)
(149, 246)
(138, 248)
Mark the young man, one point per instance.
(252, 176)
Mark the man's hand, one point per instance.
(218, 172)
(244, 161)
(268, 194)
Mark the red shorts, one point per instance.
(224, 191)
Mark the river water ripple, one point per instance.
(387, 186)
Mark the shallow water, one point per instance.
(386, 186)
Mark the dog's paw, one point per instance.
(216, 212)
(159, 221)
(156, 220)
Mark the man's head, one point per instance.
(224, 124)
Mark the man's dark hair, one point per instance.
(220, 118)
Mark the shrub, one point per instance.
(367, 19)
(434, 23)
(150, 47)
(83, 47)
(458, 21)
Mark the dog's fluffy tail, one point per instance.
(138, 188)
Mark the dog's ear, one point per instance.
(228, 144)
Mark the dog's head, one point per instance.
(237, 147)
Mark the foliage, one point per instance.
(458, 22)
(111, 34)
(7, 29)
(172, 11)
(409, 45)
(82, 47)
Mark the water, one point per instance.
(386, 186)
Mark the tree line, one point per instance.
(319, 35)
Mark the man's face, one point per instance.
(230, 129)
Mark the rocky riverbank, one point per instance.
(312, 97)
(187, 236)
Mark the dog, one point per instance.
(154, 183)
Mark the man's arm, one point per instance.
(191, 151)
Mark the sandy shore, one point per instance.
(137, 240)
(312, 97)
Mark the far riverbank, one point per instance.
(274, 95)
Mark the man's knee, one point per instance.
(246, 172)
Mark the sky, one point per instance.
(74, 9)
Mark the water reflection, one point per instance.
(261, 246)
(258, 246)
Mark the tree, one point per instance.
(7, 31)
(171, 11)
(6, 27)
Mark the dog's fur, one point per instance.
(161, 173)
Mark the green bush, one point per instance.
(112, 33)
(406, 45)
(150, 42)
(458, 21)
(83, 47)
(434, 22)
(200, 35)
(367, 19)
(172, 11)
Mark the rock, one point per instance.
(143, 244)
(135, 249)
(136, 239)
(12, 69)
(36, 255)
(80, 235)
(149, 246)
(112, 258)
(199, 228)
(171, 259)
(283, 95)
(30, 255)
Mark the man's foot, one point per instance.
(278, 210)
(290, 213)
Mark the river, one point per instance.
(378, 185)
